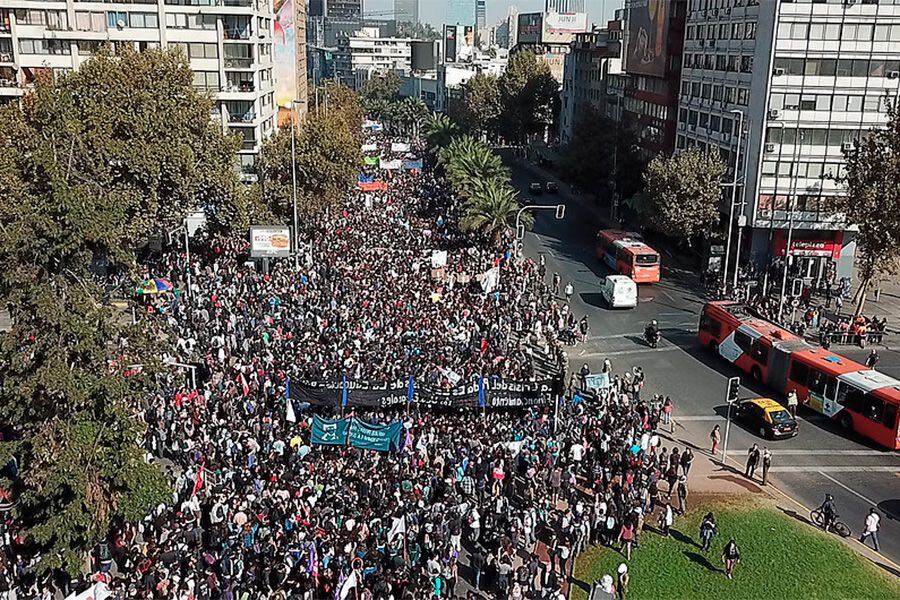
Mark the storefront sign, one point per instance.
(810, 248)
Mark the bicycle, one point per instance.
(838, 527)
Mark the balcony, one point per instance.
(238, 83)
(238, 63)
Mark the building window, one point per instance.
(116, 19)
(145, 20)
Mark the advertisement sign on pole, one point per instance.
(269, 242)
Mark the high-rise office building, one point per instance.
(343, 9)
(480, 16)
(229, 46)
(460, 12)
(564, 6)
(806, 79)
(406, 11)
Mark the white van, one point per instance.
(619, 291)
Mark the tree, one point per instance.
(530, 97)
(440, 131)
(683, 192)
(469, 163)
(480, 108)
(600, 151)
(418, 31)
(872, 202)
(408, 113)
(91, 165)
(492, 209)
(327, 149)
(379, 91)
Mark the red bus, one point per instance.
(860, 399)
(626, 254)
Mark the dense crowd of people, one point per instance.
(493, 505)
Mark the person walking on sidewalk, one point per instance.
(753, 456)
(766, 464)
(715, 437)
(556, 281)
(687, 459)
(570, 289)
(666, 519)
(870, 530)
(872, 359)
(792, 402)
(667, 408)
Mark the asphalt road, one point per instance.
(820, 459)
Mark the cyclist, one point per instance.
(829, 513)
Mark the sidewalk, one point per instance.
(711, 479)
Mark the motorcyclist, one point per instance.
(651, 332)
(829, 512)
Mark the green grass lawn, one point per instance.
(780, 558)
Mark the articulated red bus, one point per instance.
(626, 254)
(859, 398)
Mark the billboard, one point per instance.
(270, 242)
(647, 29)
(424, 56)
(529, 28)
(459, 42)
(285, 63)
(560, 28)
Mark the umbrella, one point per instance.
(155, 285)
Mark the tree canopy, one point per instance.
(683, 193)
(872, 201)
(90, 165)
(481, 107)
(530, 97)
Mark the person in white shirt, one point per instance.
(873, 519)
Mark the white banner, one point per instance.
(399, 147)
(369, 147)
(438, 259)
(391, 164)
(98, 591)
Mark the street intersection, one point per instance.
(822, 458)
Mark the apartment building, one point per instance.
(807, 78)
(228, 43)
(593, 57)
(366, 52)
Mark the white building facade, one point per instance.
(367, 53)
(228, 44)
(808, 77)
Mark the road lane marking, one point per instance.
(825, 470)
(623, 352)
(849, 489)
(799, 452)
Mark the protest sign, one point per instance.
(329, 432)
(368, 436)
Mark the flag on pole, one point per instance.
(349, 584)
(343, 390)
(481, 392)
(244, 386)
(398, 527)
(410, 390)
(289, 416)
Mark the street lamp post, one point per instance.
(779, 125)
(187, 254)
(295, 236)
(792, 207)
(734, 181)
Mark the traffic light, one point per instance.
(734, 388)
(796, 287)
(560, 211)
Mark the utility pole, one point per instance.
(734, 180)
(792, 207)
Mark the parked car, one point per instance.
(767, 417)
(535, 189)
(552, 187)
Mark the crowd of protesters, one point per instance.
(493, 505)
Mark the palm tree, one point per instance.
(492, 209)
(440, 131)
(468, 163)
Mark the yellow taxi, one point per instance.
(768, 417)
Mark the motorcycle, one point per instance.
(652, 338)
